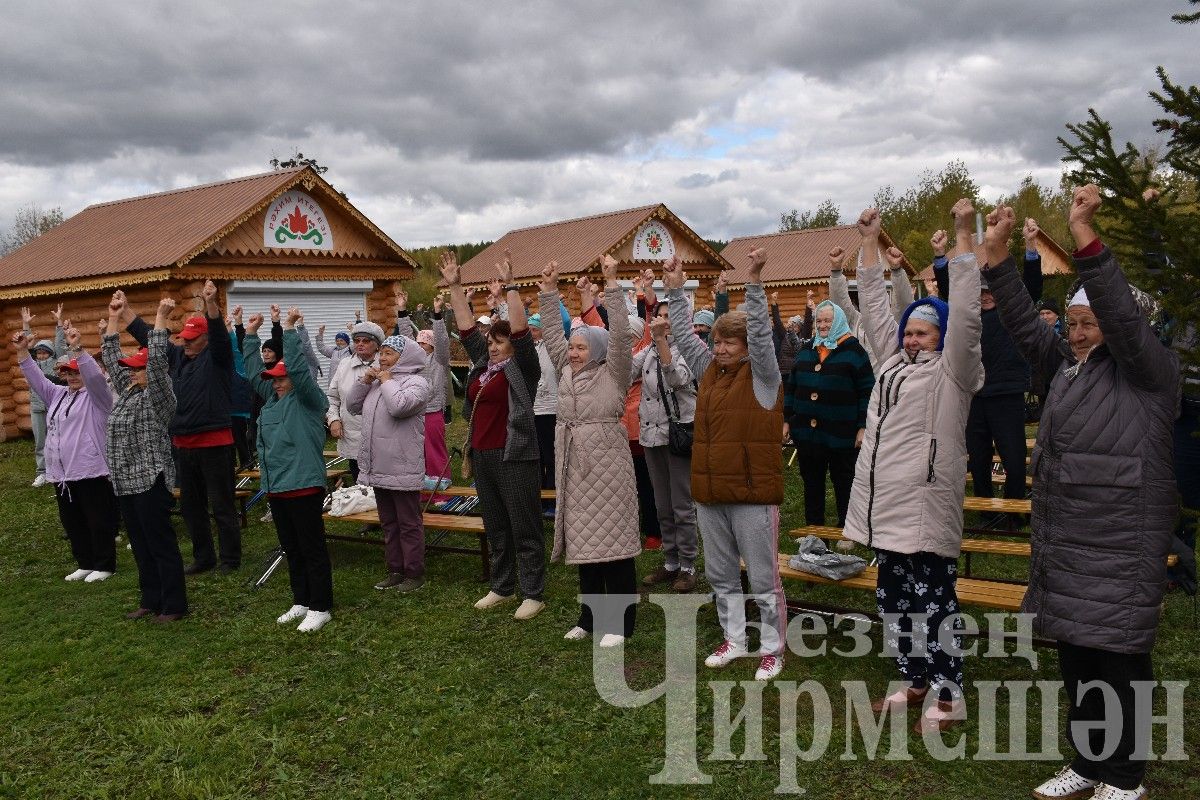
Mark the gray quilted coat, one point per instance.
(597, 517)
(1104, 497)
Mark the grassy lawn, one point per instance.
(419, 696)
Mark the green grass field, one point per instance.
(421, 696)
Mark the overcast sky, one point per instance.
(448, 122)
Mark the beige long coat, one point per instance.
(597, 517)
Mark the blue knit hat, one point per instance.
(342, 336)
(394, 343)
(939, 308)
(535, 321)
(704, 317)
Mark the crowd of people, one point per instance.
(648, 416)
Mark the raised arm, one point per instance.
(552, 335)
(39, 384)
(1034, 281)
(878, 323)
(693, 349)
(93, 377)
(620, 343)
(941, 275)
(252, 356)
(110, 344)
(472, 340)
(763, 364)
(839, 289)
(441, 338)
(304, 384)
(1143, 359)
(218, 335)
(158, 381)
(306, 347)
(961, 352)
(322, 348)
(902, 293)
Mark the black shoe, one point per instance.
(195, 569)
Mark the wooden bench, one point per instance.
(241, 495)
(998, 505)
(470, 491)
(971, 591)
(443, 523)
(330, 474)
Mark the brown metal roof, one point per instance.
(155, 231)
(576, 244)
(794, 256)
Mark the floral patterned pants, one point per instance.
(918, 589)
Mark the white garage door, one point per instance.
(328, 303)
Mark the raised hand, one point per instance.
(320, 330)
(449, 269)
(505, 270)
(167, 304)
(722, 282)
(26, 317)
(209, 293)
(758, 259)
(401, 299)
(835, 259)
(648, 278)
(439, 303)
(73, 337)
(1084, 204)
(774, 298)
(102, 327)
(810, 297)
(1000, 224)
(22, 341)
(964, 217)
(254, 323)
(869, 223)
(275, 312)
(549, 282)
(293, 316)
(57, 312)
(608, 268)
(939, 242)
(659, 328)
(1030, 231)
(673, 275)
(894, 257)
(116, 306)
(237, 315)
(637, 282)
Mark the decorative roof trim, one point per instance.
(111, 281)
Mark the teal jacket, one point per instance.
(291, 429)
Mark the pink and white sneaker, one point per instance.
(724, 655)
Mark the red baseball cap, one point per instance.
(66, 362)
(195, 326)
(277, 371)
(137, 360)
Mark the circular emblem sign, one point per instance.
(653, 243)
(295, 221)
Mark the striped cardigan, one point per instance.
(826, 402)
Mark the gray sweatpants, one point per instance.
(39, 440)
(671, 477)
(745, 533)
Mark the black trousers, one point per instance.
(87, 510)
(814, 461)
(352, 465)
(999, 419)
(647, 508)
(608, 578)
(155, 549)
(544, 425)
(205, 477)
(512, 518)
(241, 441)
(1118, 670)
(301, 530)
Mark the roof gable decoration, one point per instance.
(653, 242)
(296, 221)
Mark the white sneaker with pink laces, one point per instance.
(724, 655)
(769, 667)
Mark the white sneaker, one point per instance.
(78, 575)
(314, 621)
(529, 609)
(1106, 792)
(1066, 783)
(576, 633)
(97, 575)
(292, 614)
(768, 667)
(39, 482)
(266, 517)
(490, 600)
(725, 654)
(611, 640)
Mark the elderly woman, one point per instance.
(435, 343)
(291, 437)
(839, 293)
(596, 526)
(825, 404)
(76, 417)
(502, 446)
(668, 391)
(366, 337)
(392, 401)
(737, 466)
(44, 353)
(906, 503)
(1104, 501)
(334, 352)
(141, 462)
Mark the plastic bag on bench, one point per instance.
(350, 500)
(815, 558)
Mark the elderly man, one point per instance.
(201, 373)
(365, 340)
